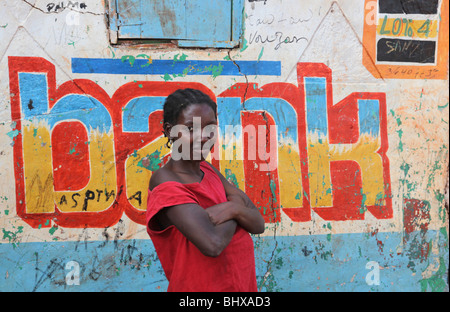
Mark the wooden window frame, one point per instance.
(237, 12)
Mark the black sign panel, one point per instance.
(399, 50)
(408, 6)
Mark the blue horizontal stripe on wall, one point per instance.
(174, 67)
(309, 263)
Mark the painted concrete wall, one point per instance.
(355, 186)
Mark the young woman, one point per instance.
(199, 223)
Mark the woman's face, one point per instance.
(195, 132)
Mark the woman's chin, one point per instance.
(200, 154)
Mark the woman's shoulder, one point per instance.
(161, 176)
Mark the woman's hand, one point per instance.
(242, 210)
(235, 209)
(221, 213)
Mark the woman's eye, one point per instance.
(191, 129)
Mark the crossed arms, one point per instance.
(211, 229)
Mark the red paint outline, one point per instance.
(126, 143)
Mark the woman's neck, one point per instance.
(186, 167)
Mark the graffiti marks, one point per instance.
(83, 158)
(58, 6)
(278, 37)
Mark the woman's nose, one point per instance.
(207, 135)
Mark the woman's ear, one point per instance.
(167, 127)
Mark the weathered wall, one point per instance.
(356, 198)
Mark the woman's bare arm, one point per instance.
(193, 222)
(242, 209)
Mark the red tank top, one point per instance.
(185, 267)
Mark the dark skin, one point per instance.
(211, 229)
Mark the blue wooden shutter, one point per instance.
(194, 23)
